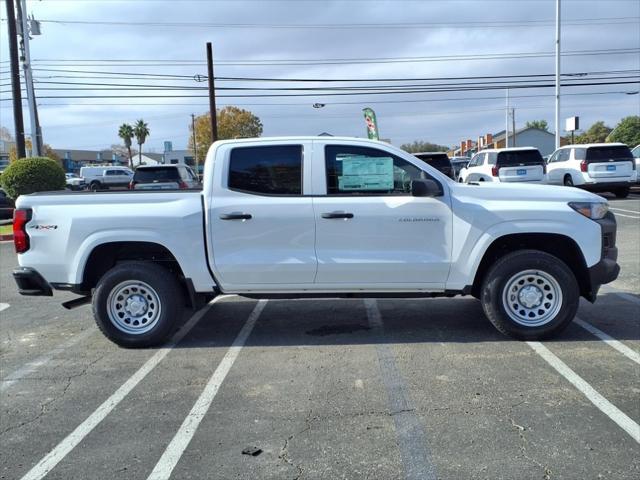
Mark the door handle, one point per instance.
(235, 216)
(337, 215)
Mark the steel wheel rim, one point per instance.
(133, 307)
(532, 298)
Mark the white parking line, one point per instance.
(43, 359)
(187, 430)
(4, 306)
(604, 405)
(623, 210)
(627, 216)
(612, 342)
(44, 466)
(621, 294)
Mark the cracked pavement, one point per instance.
(307, 390)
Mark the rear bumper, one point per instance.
(608, 185)
(607, 269)
(31, 283)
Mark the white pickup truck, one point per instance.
(317, 217)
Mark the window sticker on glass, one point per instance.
(365, 173)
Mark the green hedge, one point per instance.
(29, 175)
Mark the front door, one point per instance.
(371, 232)
(262, 228)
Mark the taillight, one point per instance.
(494, 171)
(583, 166)
(132, 185)
(182, 185)
(21, 217)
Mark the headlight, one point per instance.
(594, 211)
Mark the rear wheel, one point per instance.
(530, 295)
(568, 181)
(94, 186)
(137, 304)
(622, 192)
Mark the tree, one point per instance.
(125, 132)
(141, 131)
(627, 131)
(539, 124)
(5, 135)
(233, 122)
(48, 152)
(597, 133)
(28, 175)
(422, 146)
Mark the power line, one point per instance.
(352, 26)
(330, 61)
(430, 90)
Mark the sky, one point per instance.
(446, 41)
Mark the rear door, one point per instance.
(610, 162)
(157, 178)
(520, 166)
(371, 232)
(261, 223)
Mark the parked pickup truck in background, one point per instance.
(317, 216)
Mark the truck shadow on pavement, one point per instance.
(286, 323)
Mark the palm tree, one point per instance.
(141, 131)
(125, 132)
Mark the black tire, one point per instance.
(161, 283)
(507, 268)
(94, 186)
(622, 192)
(568, 181)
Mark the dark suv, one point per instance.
(438, 160)
(164, 177)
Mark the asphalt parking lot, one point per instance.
(326, 389)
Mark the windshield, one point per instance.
(160, 174)
(520, 157)
(596, 154)
(437, 160)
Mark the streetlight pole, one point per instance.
(36, 142)
(195, 145)
(506, 121)
(557, 73)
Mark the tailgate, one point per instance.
(521, 173)
(611, 169)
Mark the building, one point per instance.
(182, 157)
(524, 137)
(4, 153)
(148, 159)
(73, 160)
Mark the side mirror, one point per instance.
(424, 188)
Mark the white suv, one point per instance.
(599, 167)
(523, 164)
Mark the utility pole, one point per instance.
(18, 121)
(513, 123)
(195, 145)
(36, 138)
(506, 121)
(557, 73)
(212, 94)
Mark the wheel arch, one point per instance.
(558, 245)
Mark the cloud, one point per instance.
(78, 123)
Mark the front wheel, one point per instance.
(568, 181)
(530, 295)
(622, 192)
(137, 304)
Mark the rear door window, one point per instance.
(519, 157)
(606, 153)
(266, 170)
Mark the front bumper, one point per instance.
(607, 269)
(31, 283)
